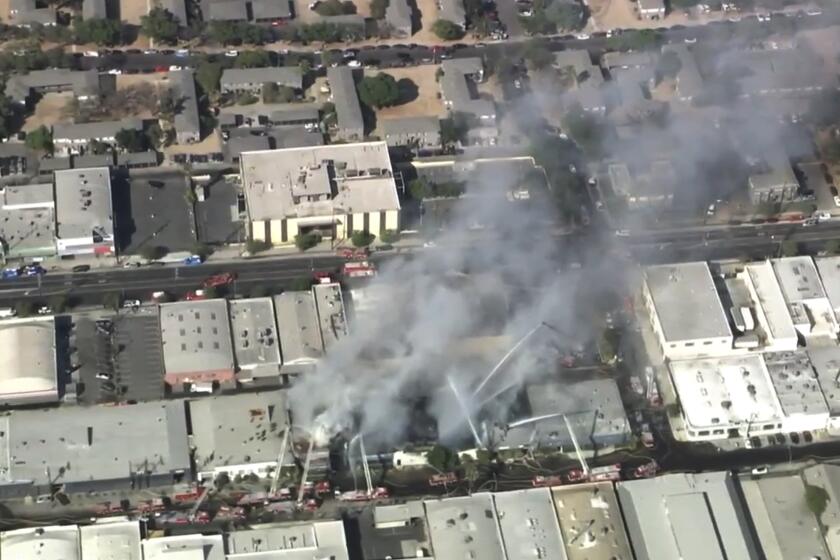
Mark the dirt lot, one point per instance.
(160, 80)
(428, 15)
(426, 101)
(48, 111)
(211, 144)
(132, 10)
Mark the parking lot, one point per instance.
(120, 357)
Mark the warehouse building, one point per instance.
(191, 546)
(825, 360)
(238, 434)
(332, 320)
(255, 342)
(688, 516)
(298, 327)
(829, 271)
(27, 221)
(798, 390)
(58, 542)
(769, 309)
(528, 523)
(93, 448)
(332, 190)
(465, 527)
(316, 539)
(685, 310)
(827, 477)
(28, 364)
(808, 304)
(591, 522)
(114, 540)
(394, 532)
(84, 212)
(197, 349)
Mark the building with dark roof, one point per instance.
(350, 125)
(398, 17)
(187, 123)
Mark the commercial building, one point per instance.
(591, 522)
(187, 123)
(349, 126)
(650, 186)
(785, 525)
(252, 80)
(798, 390)
(827, 477)
(528, 524)
(84, 212)
(394, 532)
(333, 190)
(111, 541)
(51, 542)
(593, 408)
(238, 434)
(256, 346)
(808, 305)
(587, 76)
(197, 347)
(420, 133)
(299, 329)
(93, 448)
(772, 179)
(685, 310)
(27, 221)
(787, 72)
(332, 320)
(74, 138)
(829, 271)
(465, 527)
(689, 516)
(398, 18)
(298, 541)
(192, 547)
(777, 332)
(28, 365)
(825, 361)
(83, 83)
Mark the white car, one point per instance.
(131, 303)
(104, 376)
(174, 68)
(44, 310)
(429, 244)
(115, 72)
(149, 51)
(182, 52)
(91, 53)
(837, 201)
(758, 471)
(814, 12)
(582, 36)
(232, 53)
(690, 40)
(822, 216)
(354, 64)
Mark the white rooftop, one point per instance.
(318, 181)
(796, 384)
(465, 528)
(798, 278)
(28, 370)
(111, 541)
(83, 203)
(297, 541)
(772, 313)
(184, 547)
(196, 336)
(829, 270)
(255, 341)
(716, 393)
(591, 522)
(41, 543)
(331, 317)
(686, 301)
(528, 524)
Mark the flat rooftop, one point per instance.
(83, 203)
(686, 301)
(465, 527)
(298, 541)
(394, 531)
(719, 392)
(255, 342)
(319, 181)
(796, 383)
(798, 278)
(829, 271)
(331, 317)
(28, 367)
(184, 547)
(528, 523)
(771, 301)
(298, 327)
(688, 516)
(239, 429)
(826, 363)
(47, 543)
(97, 443)
(591, 522)
(343, 93)
(111, 541)
(196, 337)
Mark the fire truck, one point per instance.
(647, 470)
(608, 472)
(354, 254)
(541, 481)
(443, 479)
(219, 280)
(359, 269)
(363, 496)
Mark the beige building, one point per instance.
(334, 190)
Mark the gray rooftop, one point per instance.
(688, 516)
(775, 173)
(395, 531)
(240, 429)
(237, 145)
(465, 527)
(27, 218)
(797, 388)
(94, 9)
(193, 546)
(826, 363)
(410, 126)
(293, 541)
(591, 522)
(528, 523)
(289, 76)
(689, 80)
(129, 159)
(27, 12)
(82, 83)
(80, 444)
(398, 15)
(270, 9)
(639, 59)
(785, 525)
(196, 336)
(320, 181)
(69, 132)
(178, 8)
(453, 10)
(653, 182)
(255, 343)
(686, 301)
(456, 89)
(829, 270)
(798, 278)
(346, 99)
(332, 319)
(297, 324)
(779, 72)
(111, 541)
(83, 203)
(227, 10)
(47, 165)
(94, 160)
(183, 87)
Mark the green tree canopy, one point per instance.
(131, 140)
(538, 55)
(40, 139)
(160, 25)
(335, 8)
(362, 238)
(379, 91)
(567, 16)
(447, 30)
(442, 458)
(454, 129)
(208, 75)
(253, 59)
(272, 93)
(103, 32)
(304, 241)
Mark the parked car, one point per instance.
(81, 268)
(10, 273)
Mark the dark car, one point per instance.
(81, 268)
(807, 437)
(794, 438)
(833, 190)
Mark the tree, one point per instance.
(272, 93)
(567, 16)
(246, 98)
(253, 59)
(377, 8)
(816, 498)
(254, 246)
(585, 129)
(635, 40)
(112, 300)
(152, 252)
(103, 32)
(40, 139)
(390, 236)
(447, 30)
(208, 75)
(538, 56)
(161, 25)
(236, 33)
(202, 250)
(304, 241)
(420, 188)
(131, 140)
(453, 130)
(300, 284)
(379, 91)
(790, 248)
(335, 8)
(442, 458)
(362, 238)
(9, 117)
